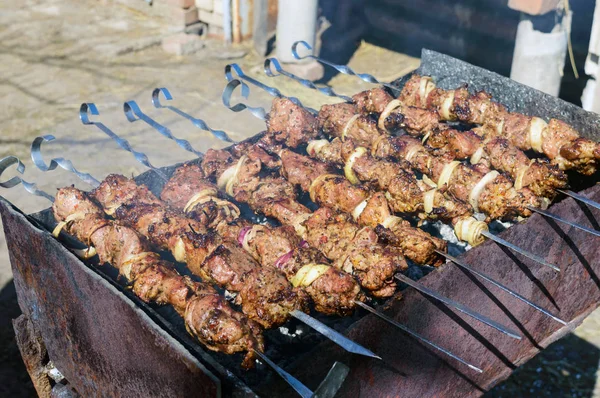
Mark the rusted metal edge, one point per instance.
(14, 222)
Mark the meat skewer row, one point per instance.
(487, 151)
(491, 193)
(264, 294)
(332, 291)
(215, 161)
(405, 194)
(353, 249)
(208, 316)
(291, 125)
(368, 208)
(560, 142)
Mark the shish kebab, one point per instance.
(86, 109)
(207, 315)
(506, 203)
(210, 166)
(265, 293)
(537, 175)
(578, 152)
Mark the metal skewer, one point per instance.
(415, 335)
(258, 112)
(320, 327)
(340, 68)
(32, 188)
(580, 198)
(246, 90)
(328, 91)
(517, 249)
(500, 286)
(460, 307)
(220, 134)
(134, 113)
(560, 219)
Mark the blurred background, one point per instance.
(56, 54)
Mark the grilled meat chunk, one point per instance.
(207, 316)
(264, 294)
(291, 124)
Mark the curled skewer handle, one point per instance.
(246, 90)
(89, 108)
(38, 160)
(271, 63)
(134, 113)
(8, 161)
(340, 68)
(258, 112)
(201, 124)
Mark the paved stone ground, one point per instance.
(56, 54)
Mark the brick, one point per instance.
(182, 44)
(183, 17)
(533, 7)
(181, 3)
(206, 5)
(211, 18)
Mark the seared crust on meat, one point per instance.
(207, 315)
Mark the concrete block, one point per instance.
(180, 3)
(533, 7)
(206, 5)
(218, 6)
(216, 32)
(182, 44)
(183, 17)
(211, 18)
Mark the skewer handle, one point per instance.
(271, 63)
(89, 108)
(340, 68)
(38, 160)
(32, 188)
(258, 112)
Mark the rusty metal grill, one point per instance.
(102, 338)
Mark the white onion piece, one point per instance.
(348, 125)
(519, 177)
(317, 182)
(478, 188)
(195, 199)
(226, 176)
(425, 137)
(297, 224)
(315, 146)
(308, 274)
(426, 85)
(429, 181)
(86, 253)
(394, 104)
(470, 230)
(250, 235)
(428, 200)
(179, 251)
(390, 221)
(500, 127)
(476, 157)
(126, 266)
(233, 180)
(348, 171)
(447, 173)
(446, 106)
(536, 128)
(72, 217)
(412, 151)
(359, 209)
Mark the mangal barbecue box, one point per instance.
(107, 342)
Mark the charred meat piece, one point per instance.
(207, 316)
